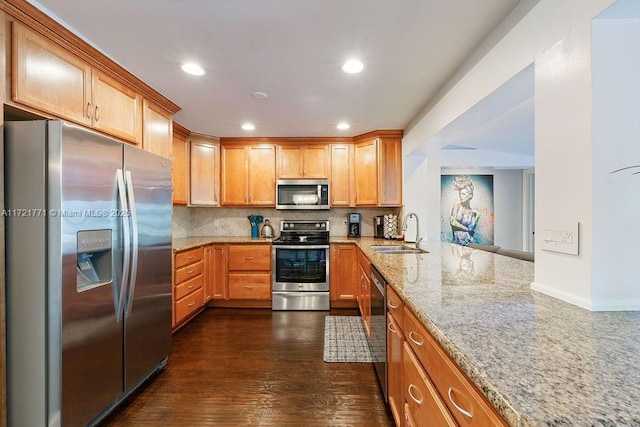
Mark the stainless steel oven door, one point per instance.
(300, 268)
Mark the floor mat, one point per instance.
(345, 340)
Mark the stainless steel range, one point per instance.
(301, 266)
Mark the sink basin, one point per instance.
(397, 249)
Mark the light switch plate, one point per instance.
(561, 236)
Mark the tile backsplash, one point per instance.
(196, 222)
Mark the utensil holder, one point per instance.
(254, 231)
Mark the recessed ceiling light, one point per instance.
(248, 126)
(261, 96)
(192, 68)
(352, 67)
(343, 126)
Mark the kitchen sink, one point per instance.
(397, 249)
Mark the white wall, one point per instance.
(616, 129)
(555, 35)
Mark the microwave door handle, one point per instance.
(126, 234)
(319, 202)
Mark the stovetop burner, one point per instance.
(301, 232)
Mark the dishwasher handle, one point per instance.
(378, 280)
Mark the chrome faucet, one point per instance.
(404, 227)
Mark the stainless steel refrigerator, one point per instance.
(88, 263)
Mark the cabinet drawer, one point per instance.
(250, 257)
(189, 304)
(188, 257)
(249, 285)
(420, 394)
(185, 288)
(395, 306)
(188, 272)
(465, 402)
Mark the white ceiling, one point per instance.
(292, 50)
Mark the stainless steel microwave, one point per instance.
(302, 194)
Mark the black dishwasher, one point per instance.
(378, 338)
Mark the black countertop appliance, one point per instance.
(354, 225)
(378, 226)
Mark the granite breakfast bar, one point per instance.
(538, 360)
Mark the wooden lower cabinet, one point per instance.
(364, 294)
(343, 272)
(422, 401)
(242, 275)
(219, 272)
(247, 285)
(188, 285)
(395, 341)
(250, 272)
(430, 375)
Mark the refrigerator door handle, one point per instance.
(134, 243)
(126, 234)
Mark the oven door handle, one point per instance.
(303, 247)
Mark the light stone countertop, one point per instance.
(185, 243)
(539, 361)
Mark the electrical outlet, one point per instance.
(216, 223)
(560, 236)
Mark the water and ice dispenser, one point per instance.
(95, 259)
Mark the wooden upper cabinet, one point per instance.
(366, 172)
(390, 171)
(117, 110)
(248, 174)
(233, 179)
(204, 170)
(180, 159)
(64, 77)
(157, 126)
(378, 168)
(47, 77)
(342, 178)
(302, 161)
(262, 175)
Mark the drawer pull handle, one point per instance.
(465, 413)
(190, 257)
(249, 287)
(415, 341)
(192, 304)
(418, 401)
(190, 287)
(392, 328)
(249, 258)
(190, 271)
(392, 305)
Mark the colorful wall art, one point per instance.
(467, 214)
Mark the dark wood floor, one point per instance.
(252, 367)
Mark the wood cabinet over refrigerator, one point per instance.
(55, 74)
